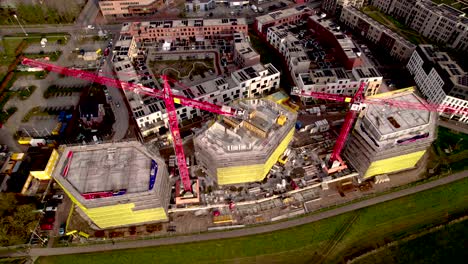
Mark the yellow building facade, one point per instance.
(120, 214)
(255, 172)
(394, 164)
(46, 174)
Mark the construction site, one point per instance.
(115, 184)
(250, 164)
(248, 161)
(388, 139)
(235, 151)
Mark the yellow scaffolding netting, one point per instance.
(394, 164)
(252, 173)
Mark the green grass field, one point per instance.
(447, 245)
(451, 141)
(373, 227)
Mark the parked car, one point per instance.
(62, 229)
(117, 104)
(57, 196)
(49, 220)
(51, 209)
(47, 226)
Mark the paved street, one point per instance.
(34, 252)
(121, 113)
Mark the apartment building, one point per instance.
(115, 9)
(334, 7)
(439, 22)
(387, 140)
(286, 16)
(245, 55)
(326, 31)
(338, 81)
(441, 81)
(149, 112)
(187, 29)
(398, 47)
(288, 44)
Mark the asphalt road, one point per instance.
(35, 252)
(121, 113)
(46, 29)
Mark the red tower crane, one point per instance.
(165, 94)
(358, 102)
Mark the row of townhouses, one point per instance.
(441, 80)
(438, 22)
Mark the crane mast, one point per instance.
(177, 140)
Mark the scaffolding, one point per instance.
(243, 151)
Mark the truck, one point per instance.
(254, 8)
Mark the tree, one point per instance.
(16, 221)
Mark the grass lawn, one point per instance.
(10, 45)
(183, 66)
(392, 23)
(447, 245)
(373, 226)
(452, 141)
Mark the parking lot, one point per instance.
(222, 10)
(52, 224)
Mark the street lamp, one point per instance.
(16, 17)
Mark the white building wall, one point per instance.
(430, 85)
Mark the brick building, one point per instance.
(185, 29)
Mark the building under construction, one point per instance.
(115, 184)
(388, 139)
(236, 151)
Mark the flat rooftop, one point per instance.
(366, 72)
(245, 50)
(277, 15)
(111, 168)
(208, 87)
(254, 71)
(391, 119)
(346, 44)
(443, 9)
(455, 72)
(181, 23)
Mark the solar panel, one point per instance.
(243, 77)
(340, 73)
(360, 73)
(373, 72)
